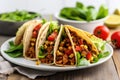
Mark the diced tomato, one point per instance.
(34, 34)
(68, 52)
(77, 48)
(52, 36)
(88, 56)
(37, 27)
(80, 42)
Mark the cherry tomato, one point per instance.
(115, 38)
(68, 52)
(77, 48)
(101, 32)
(88, 56)
(52, 36)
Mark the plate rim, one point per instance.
(48, 67)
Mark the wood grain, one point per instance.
(116, 58)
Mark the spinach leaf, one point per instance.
(14, 50)
(91, 14)
(83, 13)
(15, 54)
(14, 47)
(103, 12)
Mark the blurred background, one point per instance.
(51, 6)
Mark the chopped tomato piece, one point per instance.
(68, 52)
(52, 36)
(34, 34)
(77, 48)
(80, 41)
(88, 56)
(37, 27)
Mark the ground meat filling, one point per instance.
(84, 47)
(64, 54)
(49, 47)
(48, 50)
(31, 50)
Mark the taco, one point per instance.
(85, 49)
(32, 33)
(46, 44)
(64, 52)
(21, 30)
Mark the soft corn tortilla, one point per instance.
(27, 36)
(83, 35)
(41, 37)
(57, 45)
(21, 30)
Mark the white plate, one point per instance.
(31, 64)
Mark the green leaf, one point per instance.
(103, 54)
(103, 12)
(41, 52)
(15, 54)
(14, 47)
(14, 50)
(79, 5)
(78, 57)
(91, 14)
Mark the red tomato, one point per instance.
(88, 56)
(80, 41)
(52, 36)
(115, 38)
(68, 52)
(34, 34)
(101, 32)
(77, 48)
(37, 27)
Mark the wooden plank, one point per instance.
(116, 58)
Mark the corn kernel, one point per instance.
(37, 62)
(71, 55)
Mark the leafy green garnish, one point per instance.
(83, 62)
(83, 13)
(41, 51)
(18, 16)
(103, 54)
(15, 50)
(53, 26)
(103, 12)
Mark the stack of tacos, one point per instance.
(62, 45)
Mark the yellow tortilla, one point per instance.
(82, 35)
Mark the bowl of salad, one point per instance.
(11, 21)
(83, 17)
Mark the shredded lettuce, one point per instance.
(41, 51)
(83, 62)
(100, 44)
(53, 26)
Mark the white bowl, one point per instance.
(84, 25)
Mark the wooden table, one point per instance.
(110, 70)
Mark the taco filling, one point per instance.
(31, 49)
(64, 53)
(82, 47)
(47, 49)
